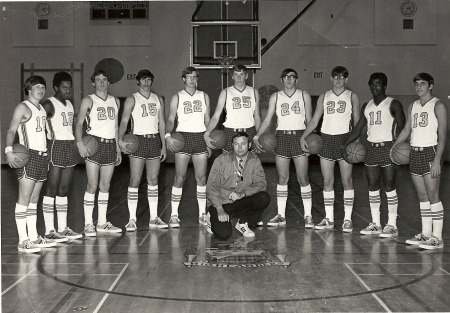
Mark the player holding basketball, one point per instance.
(426, 122)
(241, 103)
(339, 108)
(29, 120)
(385, 119)
(191, 107)
(101, 113)
(62, 150)
(293, 109)
(146, 111)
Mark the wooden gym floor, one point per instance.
(328, 271)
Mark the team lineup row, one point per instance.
(47, 131)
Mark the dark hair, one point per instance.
(61, 77)
(239, 134)
(189, 70)
(424, 76)
(144, 74)
(339, 70)
(31, 81)
(239, 68)
(97, 73)
(380, 76)
(287, 71)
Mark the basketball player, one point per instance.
(191, 107)
(241, 103)
(385, 119)
(426, 122)
(339, 107)
(62, 150)
(293, 109)
(146, 111)
(101, 113)
(29, 120)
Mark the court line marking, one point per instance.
(111, 288)
(13, 285)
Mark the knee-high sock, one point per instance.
(88, 206)
(306, 195)
(427, 218)
(47, 209)
(176, 198)
(31, 221)
(328, 199)
(152, 196)
(437, 211)
(201, 199)
(282, 194)
(20, 213)
(61, 210)
(102, 207)
(349, 198)
(132, 200)
(392, 201)
(374, 201)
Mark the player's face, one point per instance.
(377, 87)
(338, 80)
(191, 80)
(422, 87)
(101, 83)
(239, 78)
(289, 80)
(37, 92)
(64, 90)
(145, 83)
(240, 146)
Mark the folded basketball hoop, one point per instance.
(225, 62)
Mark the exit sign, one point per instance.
(318, 74)
(131, 76)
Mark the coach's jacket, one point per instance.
(223, 177)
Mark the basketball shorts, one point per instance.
(421, 159)
(37, 167)
(230, 133)
(331, 145)
(288, 144)
(63, 153)
(106, 154)
(149, 147)
(377, 154)
(194, 143)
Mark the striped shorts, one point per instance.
(149, 147)
(37, 167)
(288, 144)
(106, 154)
(331, 145)
(378, 155)
(63, 153)
(421, 159)
(194, 143)
(230, 133)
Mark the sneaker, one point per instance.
(325, 224)
(157, 223)
(432, 243)
(131, 226)
(260, 224)
(208, 224)
(108, 228)
(202, 219)
(174, 221)
(309, 222)
(70, 234)
(55, 236)
(347, 227)
(27, 246)
(278, 220)
(43, 243)
(89, 230)
(244, 230)
(389, 231)
(417, 240)
(372, 229)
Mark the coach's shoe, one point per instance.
(89, 230)
(432, 243)
(202, 219)
(417, 240)
(389, 231)
(55, 236)
(309, 222)
(70, 234)
(278, 220)
(174, 221)
(347, 227)
(131, 226)
(108, 228)
(260, 224)
(27, 246)
(43, 243)
(325, 224)
(244, 230)
(157, 223)
(372, 229)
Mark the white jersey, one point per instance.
(290, 111)
(380, 122)
(240, 107)
(101, 118)
(424, 124)
(191, 111)
(337, 112)
(145, 114)
(61, 123)
(32, 131)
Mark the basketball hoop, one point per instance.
(225, 62)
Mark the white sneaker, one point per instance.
(243, 228)
(89, 230)
(174, 221)
(417, 240)
(131, 226)
(202, 219)
(27, 246)
(43, 243)
(108, 228)
(157, 223)
(55, 236)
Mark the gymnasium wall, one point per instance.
(363, 35)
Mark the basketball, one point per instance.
(91, 143)
(219, 137)
(268, 142)
(133, 142)
(356, 152)
(22, 152)
(400, 153)
(315, 143)
(179, 145)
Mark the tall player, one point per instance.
(293, 109)
(339, 107)
(101, 113)
(62, 150)
(241, 103)
(29, 120)
(191, 107)
(385, 119)
(146, 111)
(426, 122)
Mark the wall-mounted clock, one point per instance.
(42, 9)
(408, 8)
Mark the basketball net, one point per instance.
(225, 62)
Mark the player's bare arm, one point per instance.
(215, 118)
(170, 123)
(256, 115)
(406, 131)
(49, 108)
(116, 121)
(440, 109)
(356, 110)
(86, 105)
(398, 114)
(127, 109)
(354, 134)
(21, 114)
(162, 129)
(265, 124)
(313, 123)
